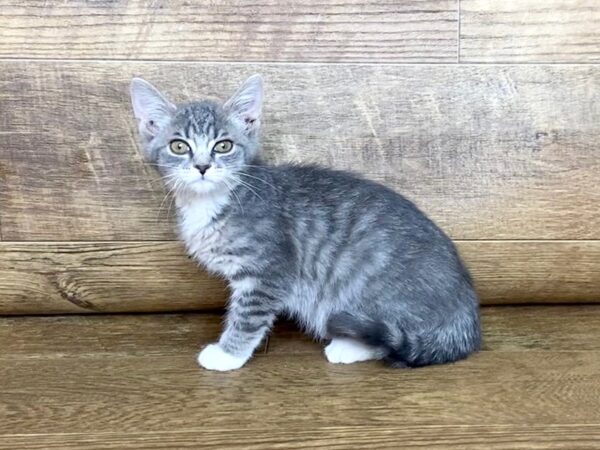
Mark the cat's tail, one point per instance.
(401, 348)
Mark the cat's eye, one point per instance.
(223, 146)
(179, 147)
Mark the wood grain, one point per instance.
(500, 152)
(110, 389)
(103, 277)
(472, 437)
(73, 167)
(504, 158)
(507, 272)
(560, 328)
(59, 278)
(240, 30)
(530, 31)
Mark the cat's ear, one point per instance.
(150, 107)
(246, 104)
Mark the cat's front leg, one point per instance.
(249, 317)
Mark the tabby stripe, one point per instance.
(251, 303)
(251, 328)
(256, 312)
(257, 293)
(323, 245)
(237, 251)
(189, 131)
(341, 248)
(244, 273)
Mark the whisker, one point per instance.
(234, 194)
(250, 187)
(259, 179)
(158, 165)
(253, 165)
(156, 180)
(161, 205)
(164, 179)
(178, 185)
(172, 190)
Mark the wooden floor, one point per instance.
(132, 381)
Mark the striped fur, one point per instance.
(348, 258)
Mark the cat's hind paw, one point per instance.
(348, 351)
(213, 357)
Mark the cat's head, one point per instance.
(199, 146)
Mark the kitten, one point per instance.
(353, 261)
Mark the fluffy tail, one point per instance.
(402, 349)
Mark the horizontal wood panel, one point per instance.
(506, 329)
(103, 277)
(530, 31)
(130, 385)
(274, 30)
(47, 278)
(161, 394)
(508, 272)
(472, 437)
(493, 152)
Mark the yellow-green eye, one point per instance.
(223, 147)
(179, 147)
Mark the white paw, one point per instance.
(212, 357)
(347, 351)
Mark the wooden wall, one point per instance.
(486, 114)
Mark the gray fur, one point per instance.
(342, 255)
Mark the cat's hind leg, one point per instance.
(343, 350)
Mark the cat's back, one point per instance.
(311, 189)
(321, 183)
(351, 235)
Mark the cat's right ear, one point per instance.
(246, 104)
(152, 110)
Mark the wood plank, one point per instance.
(530, 31)
(507, 272)
(72, 168)
(489, 152)
(149, 393)
(77, 277)
(276, 30)
(506, 329)
(131, 393)
(103, 277)
(475, 437)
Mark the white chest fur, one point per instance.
(205, 238)
(196, 220)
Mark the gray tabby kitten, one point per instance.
(353, 261)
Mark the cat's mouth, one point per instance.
(202, 185)
(202, 180)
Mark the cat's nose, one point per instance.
(202, 168)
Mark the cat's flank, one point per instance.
(352, 261)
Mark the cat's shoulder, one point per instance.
(324, 178)
(336, 184)
(316, 173)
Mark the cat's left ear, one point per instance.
(246, 104)
(150, 107)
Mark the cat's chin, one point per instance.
(203, 187)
